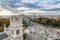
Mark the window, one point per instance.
(17, 32)
(12, 32)
(16, 18)
(12, 18)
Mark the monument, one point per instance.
(15, 29)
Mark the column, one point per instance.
(4, 28)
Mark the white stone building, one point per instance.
(15, 29)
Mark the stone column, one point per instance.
(4, 28)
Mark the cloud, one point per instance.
(40, 4)
(28, 1)
(30, 6)
(5, 12)
(35, 11)
(53, 9)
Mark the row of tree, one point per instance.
(49, 22)
(2, 22)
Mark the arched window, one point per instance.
(12, 18)
(17, 32)
(16, 18)
(12, 32)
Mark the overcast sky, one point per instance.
(51, 7)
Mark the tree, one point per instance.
(24, 35)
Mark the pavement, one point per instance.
(36, 32)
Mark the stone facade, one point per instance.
(15, 29)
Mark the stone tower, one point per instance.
(15, 30)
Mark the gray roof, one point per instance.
(3, 36)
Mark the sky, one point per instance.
(47, 7)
